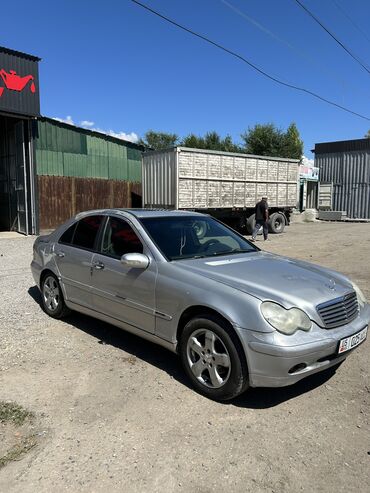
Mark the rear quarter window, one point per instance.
(86, 232)
(83, 233)
(67, 236)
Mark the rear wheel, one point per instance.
(276, 223)
(213, 358)
(52, 297)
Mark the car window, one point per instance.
(67, 236)
(119, 238)
(86, 232)
(181, 237)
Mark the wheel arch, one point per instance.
(44, 273)
(198, 310)
(47, 271)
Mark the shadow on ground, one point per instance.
(104, 333)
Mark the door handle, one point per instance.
(98, 265)
(60, 254)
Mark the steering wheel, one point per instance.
(209, 243)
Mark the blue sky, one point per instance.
(119, 68)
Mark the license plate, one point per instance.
(352, 341)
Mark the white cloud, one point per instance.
(131, 137)
(87, 123)
(90, 125)
(68, 120)
(308, 162)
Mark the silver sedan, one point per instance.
(237, 316)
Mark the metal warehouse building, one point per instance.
(345, 174)
(50, 170)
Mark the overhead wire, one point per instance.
(267, 31)
(351, 20)
(245, 60)
(316, 19)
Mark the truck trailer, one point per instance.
(223, 184)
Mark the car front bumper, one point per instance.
(272, 362)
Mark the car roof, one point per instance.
(141, 213)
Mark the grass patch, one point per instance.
(15, 421)
(17, 451)
(10, 412)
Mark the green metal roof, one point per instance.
(66, 150)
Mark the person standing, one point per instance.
(262, 217)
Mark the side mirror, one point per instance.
(135, 260)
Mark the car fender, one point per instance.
(175, 295)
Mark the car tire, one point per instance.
(213, 358)
(276, 223)
(52, 297)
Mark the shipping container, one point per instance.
(345, 165)
(226, 185)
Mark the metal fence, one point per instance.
(62, 197)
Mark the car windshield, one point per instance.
(184, 237)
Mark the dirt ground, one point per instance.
(116, 414)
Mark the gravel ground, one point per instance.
(115, 413)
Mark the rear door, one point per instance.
(123, 293)
(73, 256)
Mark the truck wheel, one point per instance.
(276, 223)
(250, 223)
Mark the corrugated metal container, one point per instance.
(185, 178)
(349, 173)
(65, 150)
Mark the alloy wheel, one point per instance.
(51, 293)
(208, 358)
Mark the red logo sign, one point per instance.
(15, 82)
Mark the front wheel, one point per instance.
(213, 358)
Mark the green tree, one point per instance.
(269, 140)
(229, 146)
(367, 136)
(263, 140)
(211, 141)
(292, 145)
(193, 141)
(159, 140)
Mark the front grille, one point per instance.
(339, 311)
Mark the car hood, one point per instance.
(267, 276)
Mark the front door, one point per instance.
(123, 293)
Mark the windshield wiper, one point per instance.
(228, 252)
(236, 250)
(215, 254)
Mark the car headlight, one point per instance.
(360, 295)
(285, 321)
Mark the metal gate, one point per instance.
(17, 180)
(21, 178)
